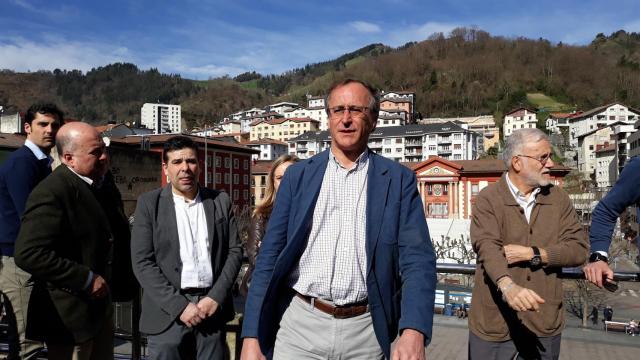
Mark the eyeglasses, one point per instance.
(542, 159)
(338, 111)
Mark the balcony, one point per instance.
(444, 140)
(444, 151)
(375, 145)
(413, 144)
(302, 148)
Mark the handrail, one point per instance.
(566, 273)
(449, 268)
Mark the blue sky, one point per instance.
(199, 39)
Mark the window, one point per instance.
(263, 180)
(245, 195)
(218, 161)
(236, 163)
(387, 151)
(246, 180)
(209, 161)
(236, 179)
(398, 141)
(227, 163)
(457, 136)
(457, 146)
(236, 195)
(457, 157)
(387, 141)
(475, 188)
(227, 179)
(218, 178)
(432, 148)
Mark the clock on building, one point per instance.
(437, 189)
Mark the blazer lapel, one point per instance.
(167, 222)
(210, 212)
(377, 188)
(311, 181)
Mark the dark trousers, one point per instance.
(207, 341)
(535, 348)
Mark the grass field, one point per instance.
(544, 102)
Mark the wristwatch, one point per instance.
(596, 256)
(536, 260)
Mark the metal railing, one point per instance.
(138, 341)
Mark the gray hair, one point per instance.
(517, 139)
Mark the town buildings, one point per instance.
(162, 118)
(269, 149)
(282, 129)
(409, 143)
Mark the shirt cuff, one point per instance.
(87, 284)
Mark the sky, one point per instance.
(202, 39)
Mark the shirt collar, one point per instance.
(360, 161)
(84, 178)
(179, 199)
(517, 194)
(35, 149)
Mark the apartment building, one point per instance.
(282, 129)
(599, 117)
(482, 124)
(269, 149)
(316, 113)
(520, 118)
(162, 118)
(398, 100)
(606, 165)
(408, 143)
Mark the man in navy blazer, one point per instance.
(346, 265)
(19, 175)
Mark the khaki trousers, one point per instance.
(16, 286)
(308, 333)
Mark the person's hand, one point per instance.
(410, 346)
(520, 298)
(251, 350)
(191, 315)
(596, 271)
(99, 287)
(517, 253)
(207, 306)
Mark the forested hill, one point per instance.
(466, 72)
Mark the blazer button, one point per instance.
(530, 231)
(528, 277)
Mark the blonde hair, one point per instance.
(265, 207)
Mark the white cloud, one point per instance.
(365, 27)
(20, 54)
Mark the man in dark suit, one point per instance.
(346, 265)
(71, 230)
(19, 174)
(186, 255)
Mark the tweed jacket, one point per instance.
(498, 220)
(66, 234)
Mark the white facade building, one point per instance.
(269, 149)
(281, 107)
(409, 143)
(520, 118)
(598, 118)
(605, 165)
(162, 118)
(315, 113)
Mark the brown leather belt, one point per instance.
(338, 312)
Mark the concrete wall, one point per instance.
(135, 172)
(11, 124)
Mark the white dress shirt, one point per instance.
(525, 203)
(194, 243)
